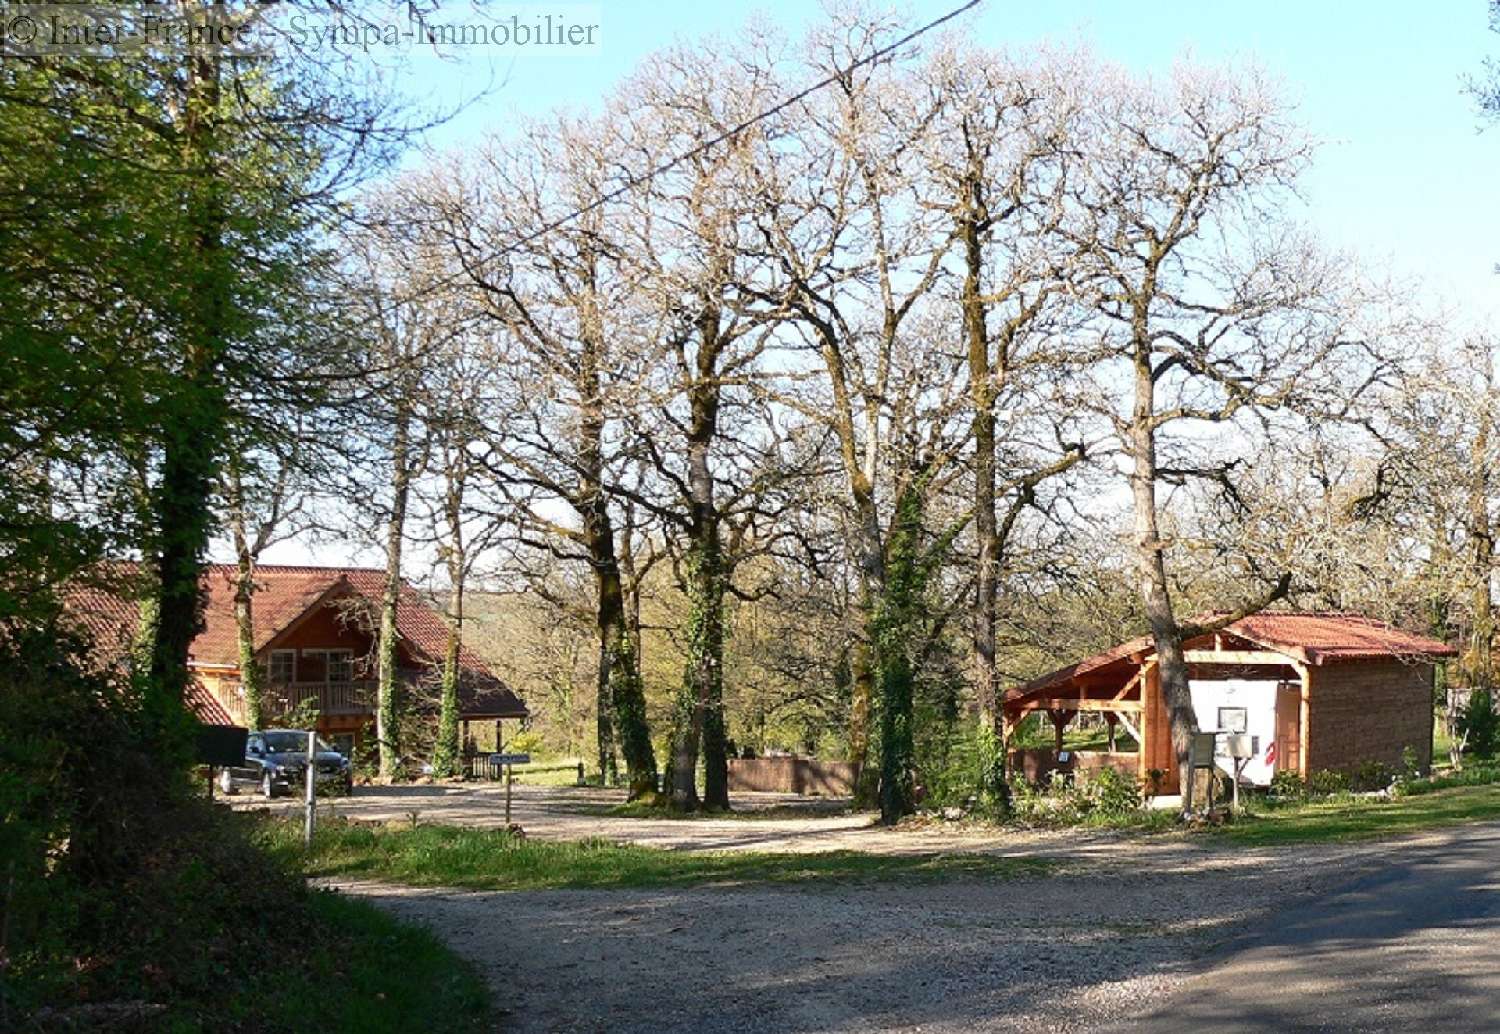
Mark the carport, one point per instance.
(1339, 690)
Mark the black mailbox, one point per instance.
(222, 745)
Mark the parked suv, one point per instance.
(276, 760)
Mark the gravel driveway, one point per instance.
(1124, 924)
(1060, 953)
(1127, 921)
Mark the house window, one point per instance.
(1233, 719)
(340, 665)
(283, 665)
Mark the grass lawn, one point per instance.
(494, 860)
(344, 980)
(1352, 818)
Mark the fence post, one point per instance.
(509, 776)
(580, 773)
(312, 780)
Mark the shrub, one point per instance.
(1473, 775)
(1480, 725)
(1287, 786)
(1326, 783)
(1108, 795)
(1371, 775)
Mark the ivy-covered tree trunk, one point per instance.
(252, 678)
(700, 707)
(620, 688)
(896, 632)
(190, 427)
(702, 684)
(627, 690)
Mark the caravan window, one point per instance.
(1233, 719)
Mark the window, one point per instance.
(283, 665)
(1233, 719)
(340, 665)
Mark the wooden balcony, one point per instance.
(332, 698)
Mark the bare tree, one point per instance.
(1209, 306)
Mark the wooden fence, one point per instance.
(804, 776)
(1037, 763)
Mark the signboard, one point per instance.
(221, 745)
(510, 759)
(1202, 753)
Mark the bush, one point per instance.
(1473, 775)
(1371, 775)
(1287, 786)
(1480, 725)
(972, 777)
(1106, 796)
(132, 903)
(1325, 783)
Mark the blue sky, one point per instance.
(1404, 176)
(1402, 173)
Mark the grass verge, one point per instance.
(495, 860)
(1355, 818)
(210, 933)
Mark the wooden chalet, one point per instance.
(315, 639)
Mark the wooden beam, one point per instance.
(1237, 657)
(1076, 704)
(1140, 741)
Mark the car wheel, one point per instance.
(267, 788)
(226, 782)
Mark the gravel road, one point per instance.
(1077, 951)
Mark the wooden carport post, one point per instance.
(1059, 722)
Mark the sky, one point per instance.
(1404, 176)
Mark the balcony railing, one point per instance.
(332, 698)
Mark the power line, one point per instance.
(635, 181)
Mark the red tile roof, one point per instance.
(109, 615)
(1311, 637)
(206, 706)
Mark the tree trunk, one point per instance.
(627, 692)
(446, 751)
(252, 678)
(387, 703)
(1151, 569)
(896, 628)
(982, 399)
(1480, 662)
(700, 711)
(190, 421)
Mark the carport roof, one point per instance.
(1309, 636)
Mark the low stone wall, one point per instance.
(804, 776)
(1036, 763)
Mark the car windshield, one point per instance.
(290, 742)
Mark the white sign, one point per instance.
(510, 759)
